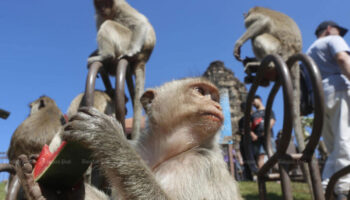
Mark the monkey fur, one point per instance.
(178, 155)
(102, 102)
(123, 32)
(271, 32)
(44, 121)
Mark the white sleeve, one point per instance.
(337, 44)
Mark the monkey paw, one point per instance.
(33, 158)
(91, 128)
(132, 51)
(237, 52)
(24, 172)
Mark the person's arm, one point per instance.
(253, 136)
(343, 60)
(272, 122)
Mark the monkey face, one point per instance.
(190, 103)
(206, 116)
(104, 7)
(40, 103)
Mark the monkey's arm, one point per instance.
(24, 172)
(138, 38)
(121, 164)
(253, 30)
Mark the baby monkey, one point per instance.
(178, 155)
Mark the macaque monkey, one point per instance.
(271, 32)
(102, 102)
(44, 121)
(178, 155)
(123, 32)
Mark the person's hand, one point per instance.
(253, 136)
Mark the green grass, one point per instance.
(249, 191)
(2, 190)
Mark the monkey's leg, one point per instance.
(252, 31)
(124, 168)
(139, 88)
(88, 99)
(265, 44)
(7, 168)
(113, 40)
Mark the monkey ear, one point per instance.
(147, 98)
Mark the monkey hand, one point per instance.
(33, 159)
(24, 172)
(37, 191)
(92, 129)
(237, 51)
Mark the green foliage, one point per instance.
(306, 123)
(249, 191)
(2, 190)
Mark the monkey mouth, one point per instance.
(214, 116)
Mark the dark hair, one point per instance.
(257, 97)
(323, 26)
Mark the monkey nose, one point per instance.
(218, 106)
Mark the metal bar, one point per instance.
(285, 180)
(88, 99)
(7, 168)
(120, 91)
(333, 180)
(284, 80)
(262, 189)
(268, 111)
(316, 81)
(13, 189)
(316, 179)
(318, 95)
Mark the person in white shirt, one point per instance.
(332, 55)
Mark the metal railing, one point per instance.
(3, 160)
(281, 157)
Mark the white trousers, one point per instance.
(336, 135)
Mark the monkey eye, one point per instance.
(199, 90)
(215, 97)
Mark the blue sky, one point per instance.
(44, 45)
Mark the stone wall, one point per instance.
(223, 77)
